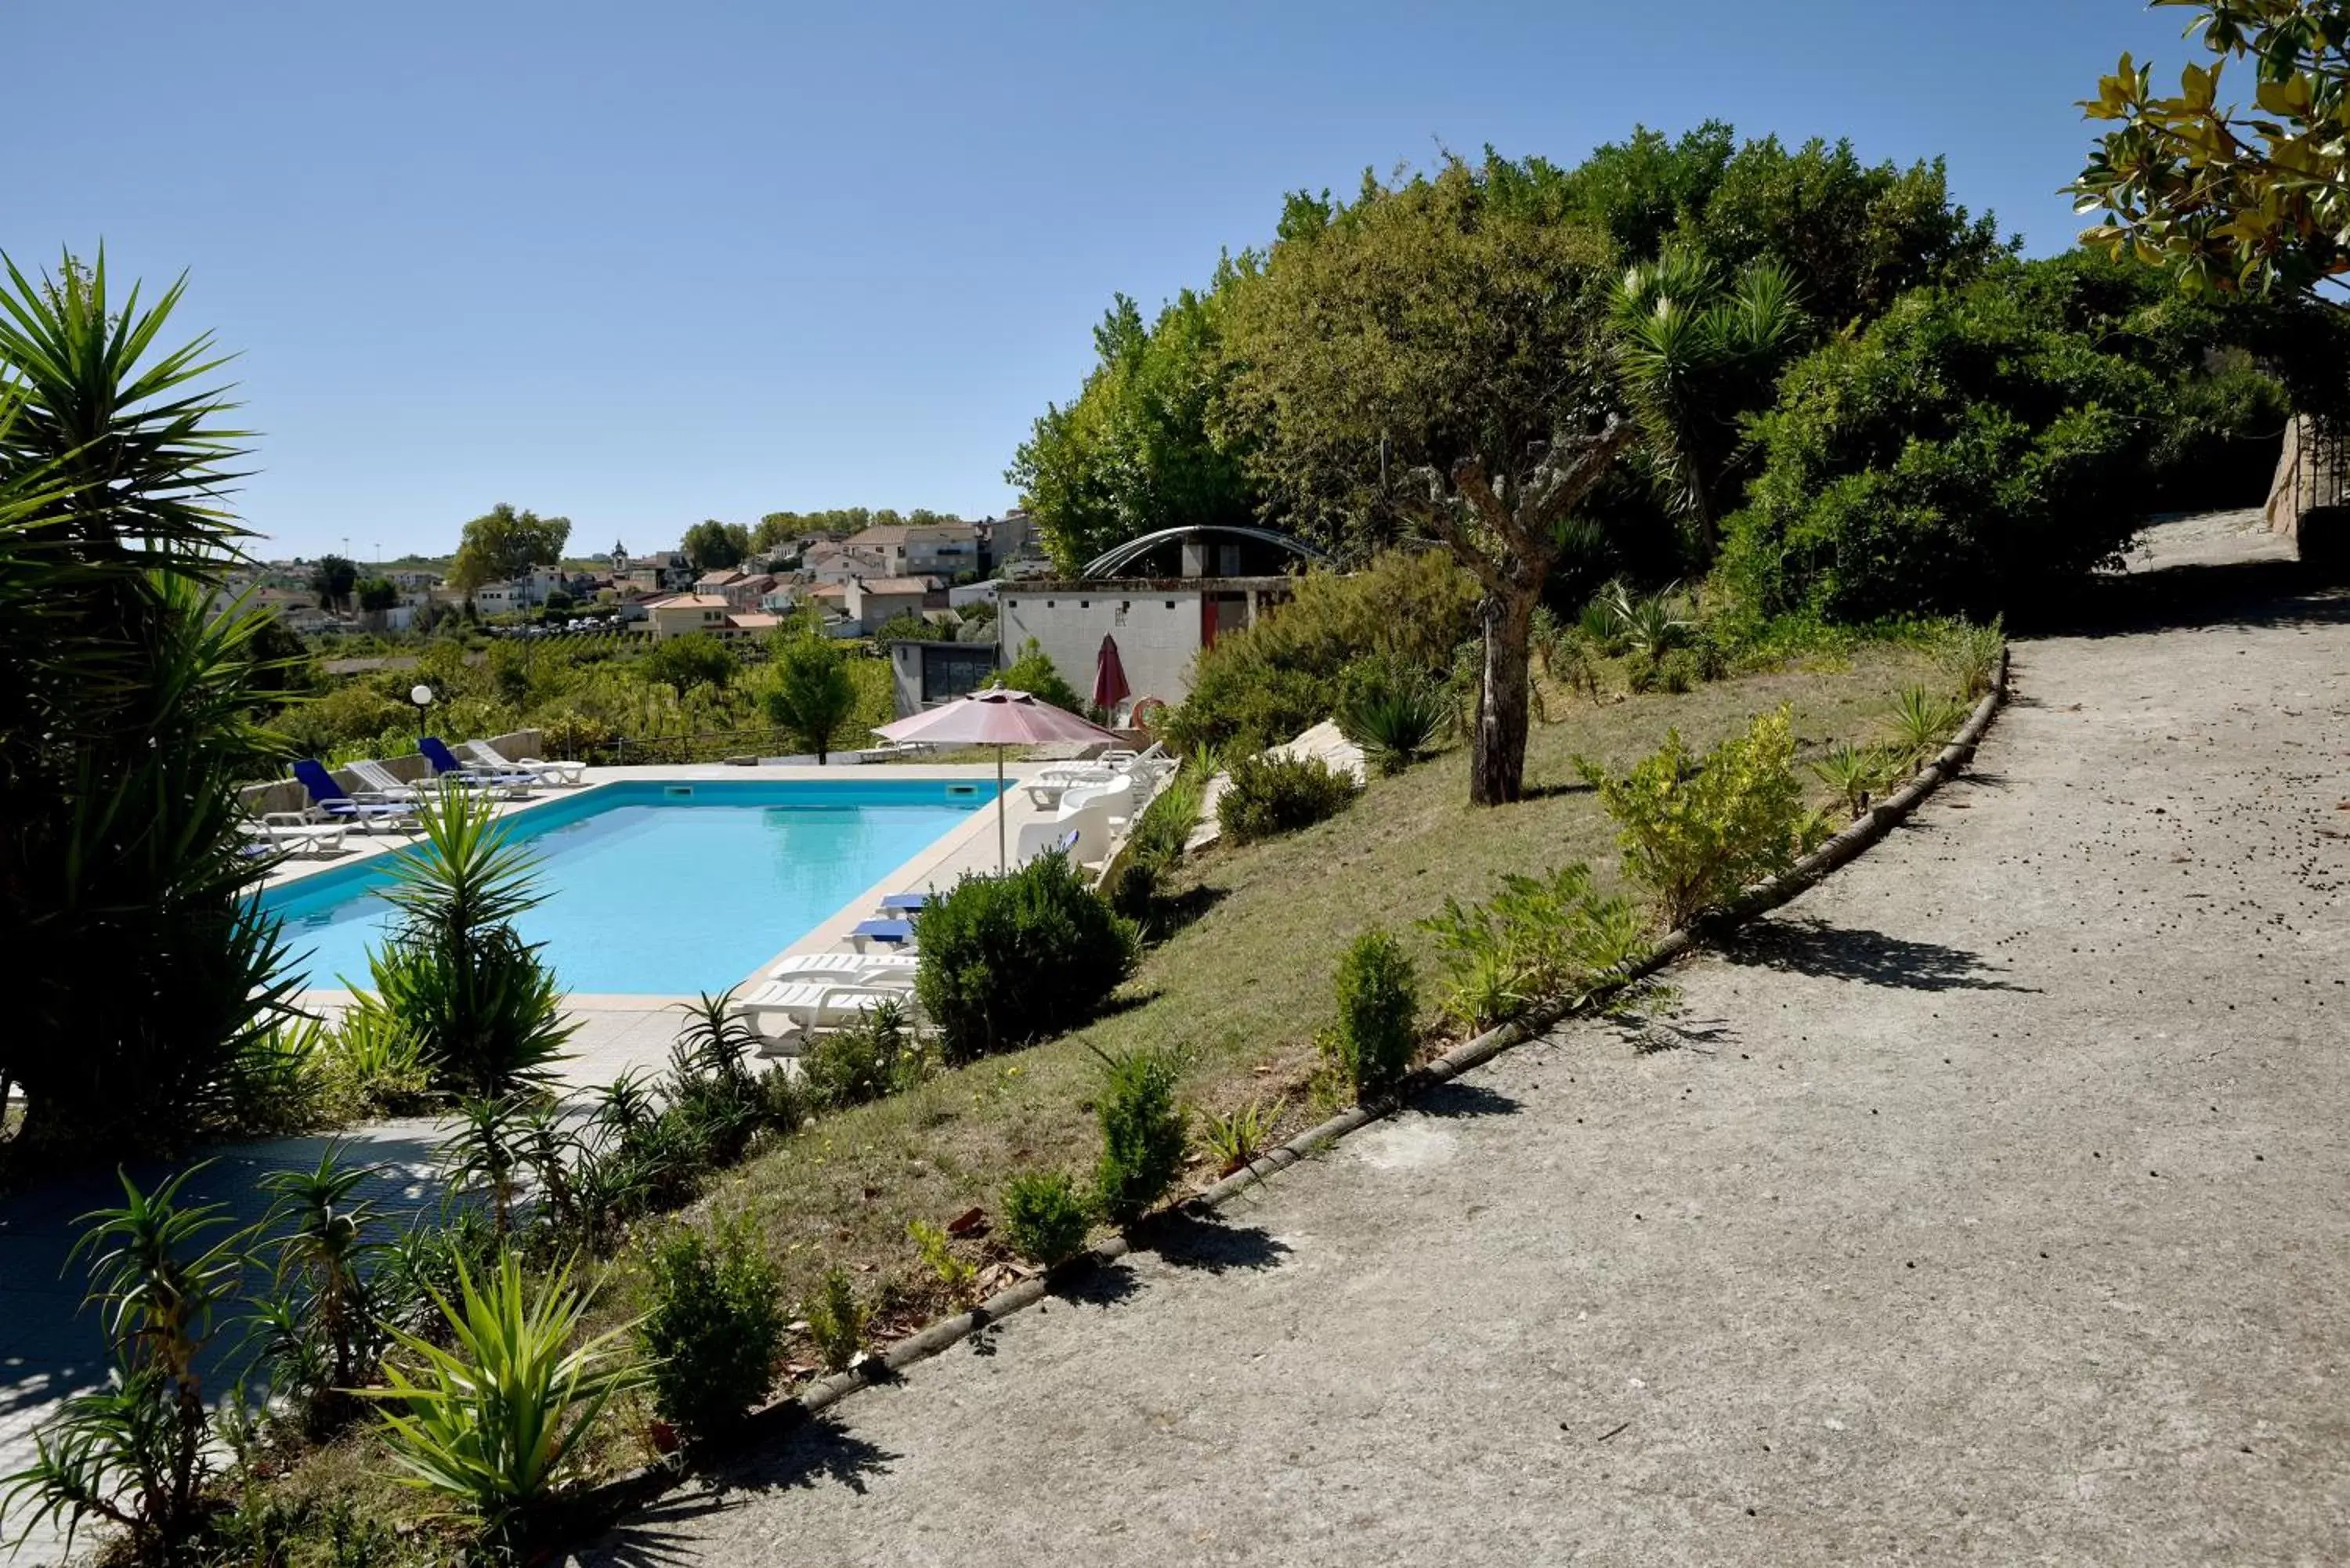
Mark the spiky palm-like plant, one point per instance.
(484, 1009)
(499, 1416)
(1693, 356)
(126, 721)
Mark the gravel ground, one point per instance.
(1986, 1205)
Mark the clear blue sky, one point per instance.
(645, 264)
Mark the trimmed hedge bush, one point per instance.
(1008, 960)
(1045, 1219)
(1379, 1000)
(715, 1329)
(1268, 795)
(1143, 1135)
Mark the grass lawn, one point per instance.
(1244, 988)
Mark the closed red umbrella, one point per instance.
(1110, 677)
(998, 718)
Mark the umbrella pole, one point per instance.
(1000, 859)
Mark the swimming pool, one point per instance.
(664, 889)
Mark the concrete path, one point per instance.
(1987, 1206)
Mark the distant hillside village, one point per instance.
(956, 601)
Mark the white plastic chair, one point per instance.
(569, 775)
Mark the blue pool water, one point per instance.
(663, 887)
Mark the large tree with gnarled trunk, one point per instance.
(1436, 351)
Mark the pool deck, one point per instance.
(619, 1031)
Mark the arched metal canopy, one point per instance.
(1111, 561)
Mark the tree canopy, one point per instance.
(1132, 452)
(779, 528)
(712, 545)
(2225, 198)
(1155, 436)
(504, 543)
(813, 698)
(1440, 326)
(332, 579)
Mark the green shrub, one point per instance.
(950, 1268)
(1143, 1135)
(683, 663)
(1697, 831)
(1535, 937)
(483, 1009)
(1964, 454)
(1266, 796)
(1008, 960)
(869, 1058)
(1134, 893)
(1166, 824)
(374, 1063)
(1395, 710)
(713, 1328)
(836, 1319)
(1378, 1003)
(502, 1413)
(1045, 1219)
(1033, 673)
(1264, 685)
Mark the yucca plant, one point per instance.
(1922, 723)
(1854, 773)
(715, 1042)
(1601, 623)
(1695, 353)
(482, 1007)
(485, 1155)
(1238, 1135)
(136, 1453)
(127, 704)
(1395, 710)
(323, 1236)
(497, 1418)
(1970, 654)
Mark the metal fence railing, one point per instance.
(703, 746)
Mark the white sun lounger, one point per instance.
(852, 966)
(569, 775)
(1047, 787)
(381, 781)
(815, 1006)
(296, 833)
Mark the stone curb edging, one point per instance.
(601, 1506)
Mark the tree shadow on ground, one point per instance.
(1171, 912)
(2236, 593)
(1648, 1036)
(1208, 1246)
(1552, 789)
(813, 1452)
(1458, 1098)
(1103, 1285)
(1813, 947)
(1127, 1001)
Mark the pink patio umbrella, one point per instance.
(996, 717)
(1110, 677)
